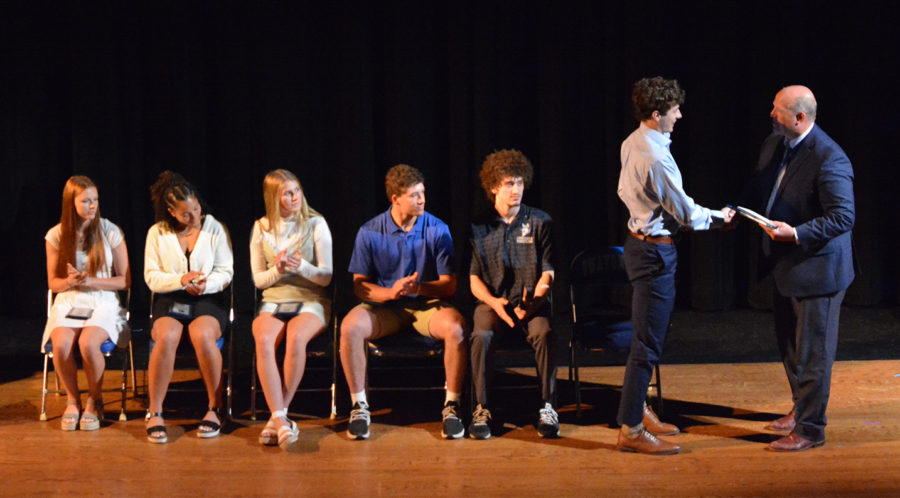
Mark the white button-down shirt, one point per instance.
(651, 187)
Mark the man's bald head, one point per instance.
(793, 111)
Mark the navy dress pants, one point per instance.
(651, 270)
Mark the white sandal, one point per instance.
(269, 434)
(287, 434)
(69, 421)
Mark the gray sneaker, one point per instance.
(548, 422)
(358, 428)
(453, 427)
(480, 427)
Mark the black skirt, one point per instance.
(213, 305)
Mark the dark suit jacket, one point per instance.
(815, 197)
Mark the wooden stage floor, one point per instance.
(722, 409)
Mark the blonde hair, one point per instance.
(69, 222)
(273, 184)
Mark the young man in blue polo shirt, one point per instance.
(510, 274)
(402, 268)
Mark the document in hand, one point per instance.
(753, 215)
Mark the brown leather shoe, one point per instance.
(785, 423)
(793, 442)
(657, 427)
(646, 443)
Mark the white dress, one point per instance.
(107, 314)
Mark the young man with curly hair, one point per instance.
(651, 187)
(511, 274)
(403, 269)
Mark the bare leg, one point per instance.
(268, 333)
(300, 330)
(356, 328)
(449, 326)
(166, 334)
(94, 364)
(204, 331)
(63, 339)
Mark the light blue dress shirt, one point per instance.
(650, 185)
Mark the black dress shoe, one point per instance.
(793, 442)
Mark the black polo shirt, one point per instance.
(509, 257)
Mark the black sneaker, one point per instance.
(358, 428)
(548, 423)
(453, 427)
(480, 427)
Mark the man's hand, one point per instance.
(731, 221)
(499, 307)
(527, 301)
(405, 286)
(781, 233)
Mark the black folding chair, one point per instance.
(226, 340)
(323, 350)
(600, 293)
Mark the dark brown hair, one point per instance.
(655, 94)
(170, 189)
(502, 164)
(401, 177)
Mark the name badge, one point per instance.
(287, 311)
(525, 236)
(77, 313)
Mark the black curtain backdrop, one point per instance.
(224, 92)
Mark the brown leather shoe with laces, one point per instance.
(646, 443)
(655, 426)
(785, 423)
(793, 442)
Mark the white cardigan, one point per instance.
(165, 263)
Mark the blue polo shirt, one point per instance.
(385, 253)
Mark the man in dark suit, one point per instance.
(806, 184)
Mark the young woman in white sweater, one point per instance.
(290, 257)
(87, 261)
(188, 263)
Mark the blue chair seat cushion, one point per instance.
(105, 348)
(613, 336)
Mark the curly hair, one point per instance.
(655, 94)
(170, 189)
(399, 178)
(502, 164)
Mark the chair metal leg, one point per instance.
(335, 351)
(659, 397)
(122, 416)
(228, 391)
(43, 416)
(253, 388)
(573, 362)
(133, 374)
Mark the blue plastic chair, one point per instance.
(107, 348)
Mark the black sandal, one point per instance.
(212, 428)
(157, 429)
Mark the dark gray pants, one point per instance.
(807, 333)
(486, 324)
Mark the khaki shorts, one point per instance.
(395, 316)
